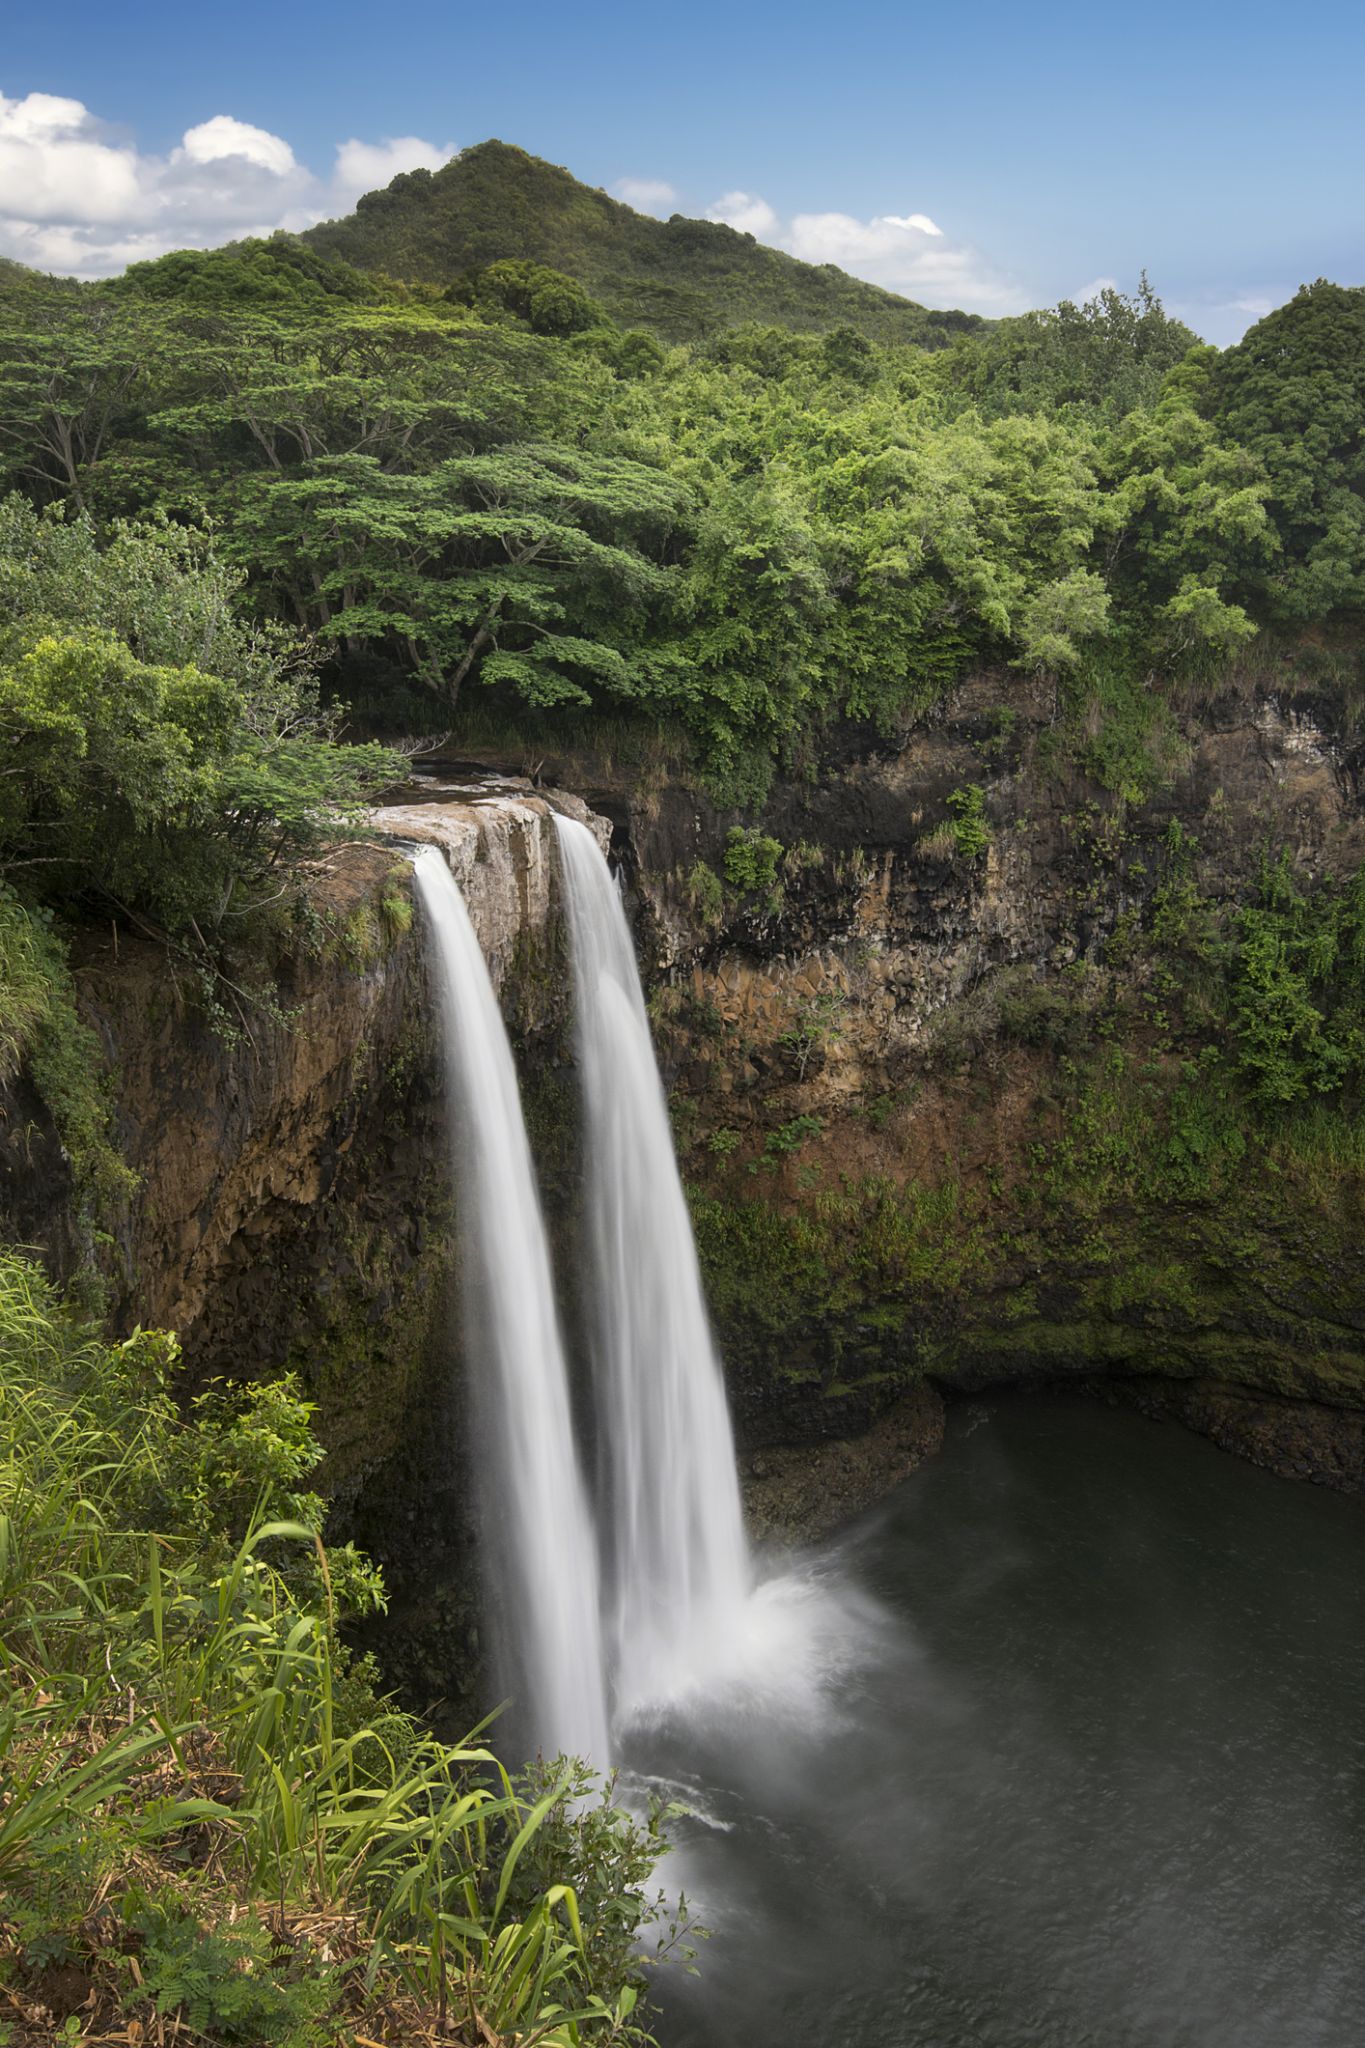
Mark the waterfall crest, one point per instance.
(546, 1542)
(677, 1567)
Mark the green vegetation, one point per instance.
(971, 833)
(494, 207)
(1109, 358)
(1292, 393)
(501, 460)
(1182, 1161)
(752, 860)
(849, 1270)
(818, 1025)
(169, 767)
(209, 1814)
(479, 497)
(166, 757)
(41, 1030)
(1298, 990)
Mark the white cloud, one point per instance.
(746, 212)
(1085, 294)
(903, 252)
(912, 220)
(646, 195)
(365, 166)
(906, 253)
(75, 200)
(54, 163)
(222, 139)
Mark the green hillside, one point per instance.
(682, 278)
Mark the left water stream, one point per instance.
(539, 1531)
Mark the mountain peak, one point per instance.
(682, 278)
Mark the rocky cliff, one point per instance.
(937, 1027)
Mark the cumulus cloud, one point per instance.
(75, 199)
(53, 162)
(903, 252)
(906, 253)
(365, 166)
(222, 139)
(920, 221)
(746, 212)
(79, 198)
(646, 195)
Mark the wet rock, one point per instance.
(794, 1493)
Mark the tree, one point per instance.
(527, 566)
(1186, 534)
(74, 365)
(1293, 392)
(1105, 358)
(544, 300)
(133, 773)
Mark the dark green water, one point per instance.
(1078, 1761)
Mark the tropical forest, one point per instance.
(682, 1122)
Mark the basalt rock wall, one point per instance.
(918, 1080)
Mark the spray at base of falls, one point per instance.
(548, 1542)
(676, 1565)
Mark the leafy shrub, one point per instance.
(705, 893)
(971, 834)
(163, 756)
(752, 860)
(790, 1137)
(230, 1983)
(818, 1025)
(1298, 988)
(39, 1026)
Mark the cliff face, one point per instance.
(934, 1102)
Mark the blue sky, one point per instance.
(990, 156)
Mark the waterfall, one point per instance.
(677, 1565)
(513, 1341)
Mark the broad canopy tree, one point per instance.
(537, 564)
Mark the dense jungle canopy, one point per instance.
(486, 494)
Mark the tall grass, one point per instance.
(184, 1741)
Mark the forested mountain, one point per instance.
(682, 279)
(494, 495)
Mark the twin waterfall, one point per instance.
(617, 1611)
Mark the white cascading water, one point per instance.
(678, 1571)
(548, 1544)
